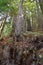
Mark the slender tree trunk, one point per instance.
(28, 25)
(40, 18)
(41, 4)
(2, 25)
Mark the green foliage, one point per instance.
(13, 7)
(4, 5)
(7, 30)
(9, 5)
(30, 7)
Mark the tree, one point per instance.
(20, 20)
(40, 17)
(3, 23)
(28, 25)
(41, 4)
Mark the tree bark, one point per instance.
(19, 24)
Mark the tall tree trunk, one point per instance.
(40, 18)
(20, 20)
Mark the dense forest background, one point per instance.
(21, 23)
(30, 10)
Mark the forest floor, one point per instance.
(22, 52)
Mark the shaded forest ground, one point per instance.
(29, 42)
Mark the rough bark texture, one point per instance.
(20, 20)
